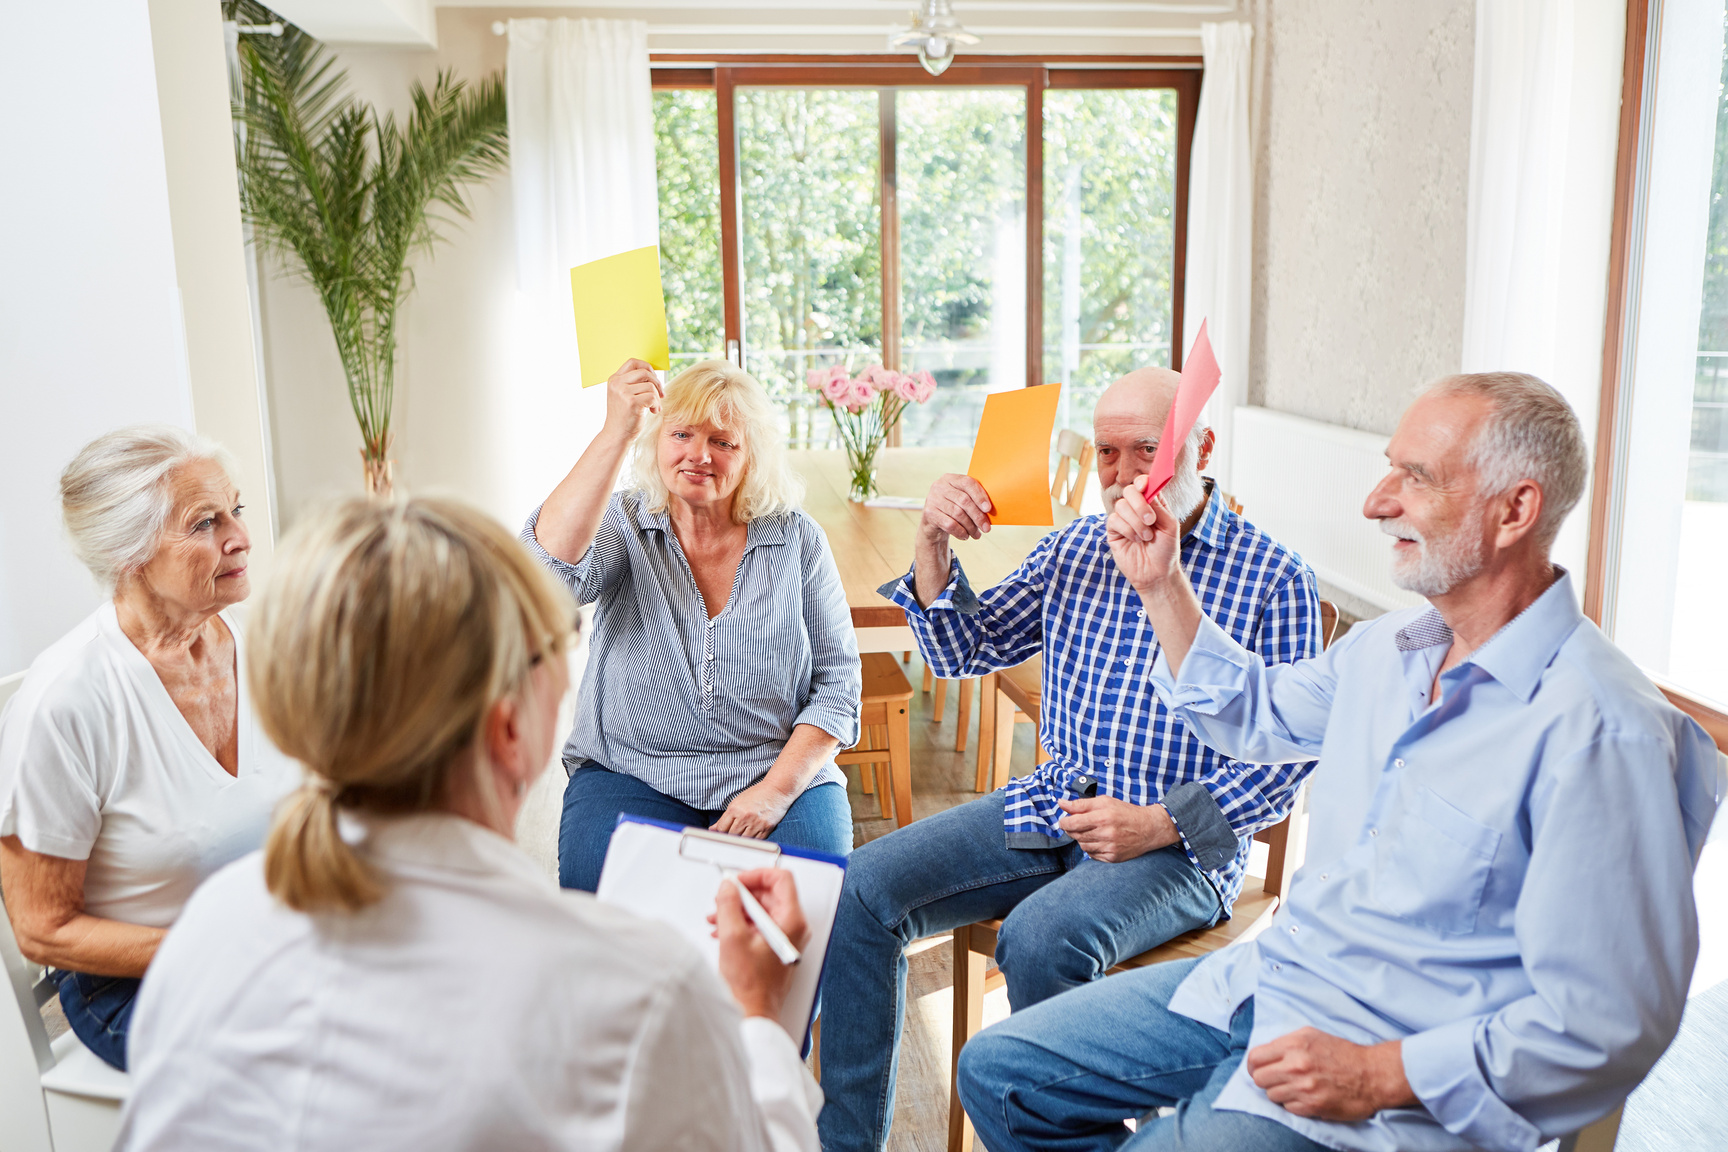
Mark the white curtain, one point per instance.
(1543, 137)
(1221, 224)
(581, 114)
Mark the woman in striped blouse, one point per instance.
(723, 673)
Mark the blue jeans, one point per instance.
(99, 1009)
(821, 819)
(1066, 1073)
(1068, 919)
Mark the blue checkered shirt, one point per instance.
(1100, 714)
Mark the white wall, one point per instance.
(92, 320)
(89, 307)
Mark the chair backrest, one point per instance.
(1328, 623)
(24, 1051)
(1072, 449)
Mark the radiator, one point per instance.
(1304, 482)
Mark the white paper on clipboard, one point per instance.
(655, 871)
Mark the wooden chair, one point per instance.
(1018, 694)
(974, 944)
(963, 706)
(1071, 448)
(886, 736)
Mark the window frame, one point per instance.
(1613, 449)
(889, 73)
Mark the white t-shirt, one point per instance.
(476, 1006)
(97, 764)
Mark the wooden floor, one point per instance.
(941, 778)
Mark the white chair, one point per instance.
(54, 1097)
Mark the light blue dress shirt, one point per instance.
(1503, 880)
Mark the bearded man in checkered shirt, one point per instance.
(1080, 883)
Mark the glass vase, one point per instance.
(863, 467)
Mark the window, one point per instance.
(1109, 238)
(835, 212)
(687, 163)
(1660, 513)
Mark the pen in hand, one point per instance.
(771, 932)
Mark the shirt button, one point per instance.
(1323, 876)
(1292, 929)
(1397, 763)
(1373, 831)
(1277, 967)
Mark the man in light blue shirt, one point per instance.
(1491, 940)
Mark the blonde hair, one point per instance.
(117, 494)
(722, 394)
(386, 634)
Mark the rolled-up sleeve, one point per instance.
(1609, 974)
(836, 678)
(599, 569)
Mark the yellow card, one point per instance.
(620, 313)
(1011, 456)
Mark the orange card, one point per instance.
(1011, 456)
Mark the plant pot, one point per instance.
(380, 477)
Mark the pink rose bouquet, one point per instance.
(865, 407)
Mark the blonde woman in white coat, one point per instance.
(392, 972)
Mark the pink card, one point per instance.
(1199, 378)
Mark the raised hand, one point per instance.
(631, 393)
(1145, 538)
(956, 506)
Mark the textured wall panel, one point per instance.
(1363, 158)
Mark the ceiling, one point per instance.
(1149, 27)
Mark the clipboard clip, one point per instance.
(727, 852)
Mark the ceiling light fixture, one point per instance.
(935, 33)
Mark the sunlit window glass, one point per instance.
(687, 163)
(961, 178)
(811, 222)
(1109, 238)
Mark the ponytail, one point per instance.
(307, 864)
(386, 635)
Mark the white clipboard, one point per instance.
(668, 873)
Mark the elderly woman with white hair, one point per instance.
(724, 671)
(131, 766)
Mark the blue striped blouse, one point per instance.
(699, 709)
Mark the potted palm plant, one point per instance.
(346, 197)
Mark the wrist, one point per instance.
(1391, 1088)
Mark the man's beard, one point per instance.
(1439, 565)
(1185, 492)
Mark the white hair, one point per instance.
(1531, 434)
(116, 495)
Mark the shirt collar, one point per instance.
(762, 530)
(1517, 654)
(437, 840)
(1213, 527)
